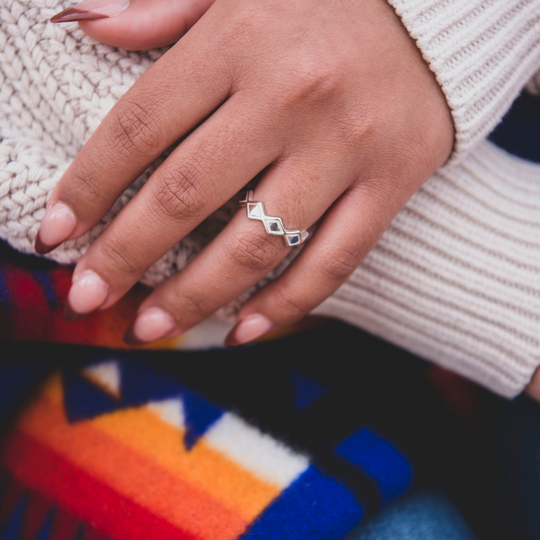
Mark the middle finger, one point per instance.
(205, 171)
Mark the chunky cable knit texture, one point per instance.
(455, 278)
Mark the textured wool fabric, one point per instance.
(424, 516)
(482, 52)
(109, 440)
(454, 279)
(56, 85)
(213, 446)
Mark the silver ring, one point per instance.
(273, 225)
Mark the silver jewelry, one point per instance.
(273, 225)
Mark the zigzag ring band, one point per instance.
(273, 225)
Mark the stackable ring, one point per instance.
(273, 225)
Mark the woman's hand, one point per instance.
(329, 101)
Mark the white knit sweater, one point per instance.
(456, 277)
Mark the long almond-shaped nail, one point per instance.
(58, 223)
(248, 329)
(153, 323)
(91, 10)
(87, 293)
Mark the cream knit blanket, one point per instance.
(455, 279)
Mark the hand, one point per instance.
(533, 388)
(330, 103)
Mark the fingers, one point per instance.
(205, 171)
(142, 125)
(135, 24)
(308, 76)
(239, 257)
(347, 234)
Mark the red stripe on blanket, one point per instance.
(106, 510)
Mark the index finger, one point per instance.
(139, 128)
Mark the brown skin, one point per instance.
(148, 24)
(533, 389)
(332, 99)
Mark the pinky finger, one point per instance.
(348, 232)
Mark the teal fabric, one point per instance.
(425, 516)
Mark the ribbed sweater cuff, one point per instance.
(482, 53)
(455, 278)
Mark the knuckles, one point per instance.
(86, 184)
(177, 193)
(290, 308)
(134, 127)
(302, 85)
(302, 71)
(188, 304)
(256, 251)
(117, 258)
(316, 80)
(340, 264)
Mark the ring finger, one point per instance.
(244, 252)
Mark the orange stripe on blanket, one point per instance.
(131, 474)
(83, 496)
(142, 433)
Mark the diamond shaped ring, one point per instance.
(273, 225)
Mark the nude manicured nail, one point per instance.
(87, 293)
(248, 329)
(58, 223)
(153, 323)
(91, 10)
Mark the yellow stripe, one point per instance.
(203, 467)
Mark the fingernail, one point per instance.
(87, 293)
(91, 10)
(248, 329)
(58, 223)
(153, 323)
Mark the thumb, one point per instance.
(135, 24)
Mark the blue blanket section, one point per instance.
(306, 390)
(14, 525)
(313, 507)
(381, 461)
(18, 378)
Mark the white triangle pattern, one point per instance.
(170, 411)
(106, 375)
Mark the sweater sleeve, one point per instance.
(482, 53)
(455, 278)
